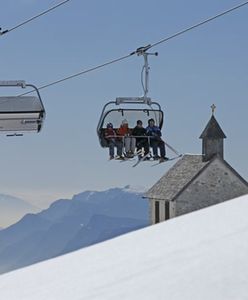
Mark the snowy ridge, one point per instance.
(135, 189)
(202, 255)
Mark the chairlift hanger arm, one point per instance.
(143, 51)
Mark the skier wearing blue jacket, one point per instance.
(156, 141)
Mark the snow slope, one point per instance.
(202, 255)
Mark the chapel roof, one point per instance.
(177, 178)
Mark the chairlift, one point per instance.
(19, 114)
(131, 108)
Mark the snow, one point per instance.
(202, 255)
(135, 188)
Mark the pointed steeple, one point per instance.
(212, 139)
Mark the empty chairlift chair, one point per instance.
(19, 114)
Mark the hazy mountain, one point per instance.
(67, 225)
(12, 209)
(101, 228)
(28, 225)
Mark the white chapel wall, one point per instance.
(217, 183)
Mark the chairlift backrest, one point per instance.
(116, 116)
(116, 112)
(21, 113)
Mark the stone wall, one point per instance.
(162, 210)
(217, 183)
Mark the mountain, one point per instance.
(12, 209)
(201, 255)
(109, 228)
(68, 225)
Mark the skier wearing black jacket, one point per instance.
(138, 132)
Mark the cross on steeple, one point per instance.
(213, 107)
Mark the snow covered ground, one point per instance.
(202, 255)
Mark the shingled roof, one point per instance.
(213, 130)
(177, 178)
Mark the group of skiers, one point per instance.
(136, 138)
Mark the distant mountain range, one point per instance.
(67, 225)
(12, 209)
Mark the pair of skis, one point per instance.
(144, 158)
(169, 159)
(157, 162)
(126, 158)
(178, 155)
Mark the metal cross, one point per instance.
(213, 107)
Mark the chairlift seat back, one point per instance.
(115, 116)
(21, 113)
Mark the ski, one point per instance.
(142, 159)
(170, 159)
(126, 158)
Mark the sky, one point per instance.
(211, 263)
(204, 66)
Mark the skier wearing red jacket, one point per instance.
(110, 136)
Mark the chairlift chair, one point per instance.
(131, 108)
(19, 114)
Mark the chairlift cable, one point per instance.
(34, 17)
(198, 24)
(139, 50)
(82, 72)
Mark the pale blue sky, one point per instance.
(207, 65)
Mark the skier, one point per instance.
(129, 142)
(110, 136)
(156, 141)
(141, 142)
